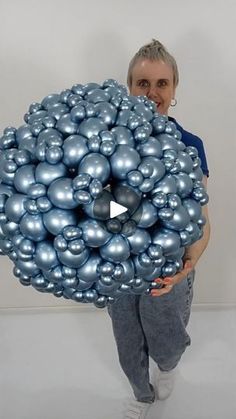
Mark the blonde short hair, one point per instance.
(155, 50)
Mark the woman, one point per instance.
(155, 325)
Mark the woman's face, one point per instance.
(154, 79)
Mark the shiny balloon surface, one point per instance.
(78, 151)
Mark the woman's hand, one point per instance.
(169, 282)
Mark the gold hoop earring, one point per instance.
(173, 102)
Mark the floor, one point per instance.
(62, 364)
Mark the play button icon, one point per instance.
(119, 203)
(116, 209)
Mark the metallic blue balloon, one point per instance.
(60, 243)
(166, 185)
(184, 185)
(168, 142)
(45, 256)
(155, 274)
(179, 220)
(45, 173)
(168, 240)
(91, 126)
(123, 161)
(24, 178)
(139, 241)
(56, 219)
(27, 267)
(106, 111)
(76, 246)
(74, 149)
(123, 135)
(116, 250)
(135, 178)
(6, 191)
(10, 229)
(61, 193)
(73, 261)
(96, 165)
(57, 110)
(128, 271)
(149, 214)
(89, 270)
(194, 209)
(23, 133)
(54, 154)
(185, 161)
(71, 232)
(157, 165)
(50, 100)
(142, 270)
(94, 233)
(97, 95)
(14, 207)
(43, 204)
(27, 247)
(66, 126)
(37, 190)
(82, 286)
(32, 227)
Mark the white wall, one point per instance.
(50, 45)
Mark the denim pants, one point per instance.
(146, 326)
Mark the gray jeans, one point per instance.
(146, 326)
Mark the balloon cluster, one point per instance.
(79, 151)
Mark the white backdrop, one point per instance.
(50, 45)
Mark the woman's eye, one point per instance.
(143, 83)
(162, 83)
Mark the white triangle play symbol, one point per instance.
(116, 209)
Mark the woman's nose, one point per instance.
(151, 92)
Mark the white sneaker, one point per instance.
(164, 384)
(136, 410)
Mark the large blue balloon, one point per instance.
(79, 151)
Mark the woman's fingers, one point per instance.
(169, 282)
(159, 292)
